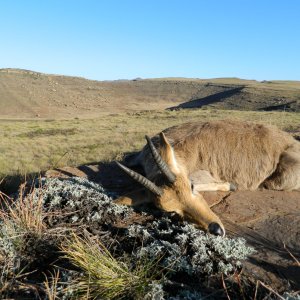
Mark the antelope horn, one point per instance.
(142, 180)
(164, 168)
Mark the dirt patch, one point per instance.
(270, 221)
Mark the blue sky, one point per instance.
(253, 39)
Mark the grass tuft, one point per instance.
(51, 287)
(22, 240)
(104, 276)
(25, 214)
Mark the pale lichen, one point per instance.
(185, 248)
(176, 246)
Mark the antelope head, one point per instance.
(175, 193)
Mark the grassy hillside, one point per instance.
(28, 94)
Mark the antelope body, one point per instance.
(211, 156)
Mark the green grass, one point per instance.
(105, 277)
(35, 145)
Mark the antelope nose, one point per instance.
(216, 229)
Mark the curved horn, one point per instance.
(159, 161)
(142, 180)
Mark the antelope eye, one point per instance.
(192, 186)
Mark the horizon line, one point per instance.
(148, 78)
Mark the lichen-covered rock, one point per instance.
(182, 246)
(176, 246)
(155, 292)
(187, 295)
(80, 202)
(289, 296)
(179, 246)
(7, 248)
(187, 249)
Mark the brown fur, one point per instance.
(242, 153)
(215, 154)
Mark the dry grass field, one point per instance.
(29, 146)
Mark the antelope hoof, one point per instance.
(215, 229)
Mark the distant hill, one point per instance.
(28, 94)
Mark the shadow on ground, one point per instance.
(281, 107)
(215, 98)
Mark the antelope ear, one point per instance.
(167, 154)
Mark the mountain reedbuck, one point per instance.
(213, 156)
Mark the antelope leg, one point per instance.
(135, 198)
(204, 181)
